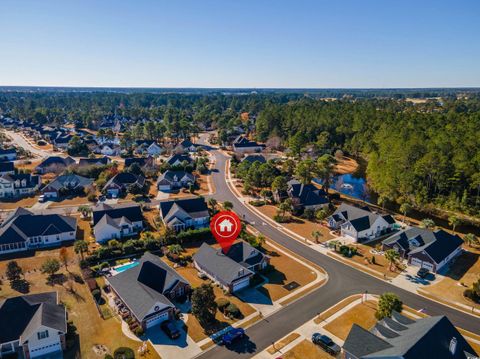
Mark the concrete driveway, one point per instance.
(183, 347)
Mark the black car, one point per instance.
(326, 343)
(422, 272)
(170, 329)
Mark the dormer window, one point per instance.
(453, 346)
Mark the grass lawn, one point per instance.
(465, 269)
(306, 349)
(91, 328)
(283, 343)
(300, 226)
(286, 270)
(362, 314)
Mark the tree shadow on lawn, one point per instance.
(58, 278)
(461, 265)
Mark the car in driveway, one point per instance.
(423, 272)
(326, 343)
(170, 329)
(233, 334)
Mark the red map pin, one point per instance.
(226, 227)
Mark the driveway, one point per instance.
(183, 347)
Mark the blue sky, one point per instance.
(260, 43)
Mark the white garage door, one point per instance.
(34, 352)
(241, 284)
(422, 264)
(157, 319)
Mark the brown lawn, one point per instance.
(465, 269)
(202, 181)
(287, 270)
(282, 343)
(362, 314)
(331, 311)
(300, 226)
(306, 349)
(91, 328)
(23, 202)
(75, 202)
(84, 230)
(27, 164)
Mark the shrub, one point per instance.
(222, 303)
(138, 331)
(308, 214)
(194, 234)
(107, 356)
(91, 197)
(123, 353)
(232, 311)
(280, 219)
(104, 265)
(257, 203)
(96, 294)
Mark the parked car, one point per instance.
(423, 272)
(170, 329)
(41, 198)
(232, 334)
(326, 343)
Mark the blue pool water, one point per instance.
(350, 185)
(124, 267)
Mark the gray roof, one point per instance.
(254, 158)
(438, 244)
(142, 286)
(124, 179)
(195, 207)
(22, 316)
(224, 268)
(23, 224)
(132, 212)
(170, 176)
(70, 181)
(360, 218)
(102, 161)
(55, 160)
(424, 338)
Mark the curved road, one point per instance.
(343, 281)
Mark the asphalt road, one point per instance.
(343, 281)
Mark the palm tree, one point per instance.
(316, 235)
(84, 210)
(470, 239)
(264, 193)
(228, 205)
(392, 257)
(427, 223)
(80, 247)
(212, 202)
(404, 208)
(454, 221)
(283, 207)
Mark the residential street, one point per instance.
(343, 281)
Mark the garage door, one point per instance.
(241, 284)
(422, 264)
(34, 352)
(157, 319)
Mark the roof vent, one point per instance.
(453, 345)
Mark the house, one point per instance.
(9, 154)
(254, 158)
(304, 196)
(141, 161)
(108, 149)
(178, 160)
(172, 180)
(184, 214)
(7, 168)
(32, 325)
(148, 289)
(402, 337)
(23, 230)
(101, 161)
(66, 184)
(360, 223)
(232, 270)
(115, 222)
(242, 145)
(62, 141)
(425, 248)
(149, 147)
(121, 182)
(17, 185)
(187, 146)
(54, 164)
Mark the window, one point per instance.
(42, 335)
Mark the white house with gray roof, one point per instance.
(172, 180)
(181, 214)
(360, 224)
(116, 222)
(32, 325)
(149, 289)
(232, 270)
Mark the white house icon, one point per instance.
(225, 226)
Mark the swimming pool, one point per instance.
(124, 267)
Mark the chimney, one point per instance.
(453, 345)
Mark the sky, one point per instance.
(240, 43)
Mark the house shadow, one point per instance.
(255, 296)
(460, 265)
